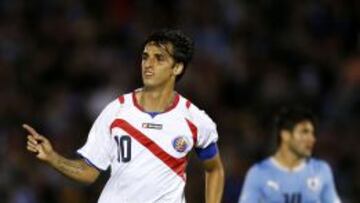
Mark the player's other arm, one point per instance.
(76, 169)
(251, 188)
(329, 193)
(207, 150)
(214, 177)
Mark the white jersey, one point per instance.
(147, 155)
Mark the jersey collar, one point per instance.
(283, 168)
(169, 108)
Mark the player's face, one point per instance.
(158, 65)
(302, 139)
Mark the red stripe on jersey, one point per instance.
(174, 103)
(136, 102)
(175, 164)
(194, 131)
(188, 103)
(121, 99)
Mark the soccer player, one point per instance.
(146, 135)
(290, 175)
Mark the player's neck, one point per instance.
(155, 99)
(287, 159)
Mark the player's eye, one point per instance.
(144, 56)
(160, 57)
(306, 131)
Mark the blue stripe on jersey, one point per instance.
(208, 152)
(89, 162)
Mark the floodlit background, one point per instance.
(62, 61)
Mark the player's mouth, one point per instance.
(148, 73)
(309, 148)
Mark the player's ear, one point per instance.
(178, 68)
(285, 135)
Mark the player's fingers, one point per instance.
(30, 129)
(38, 147)
(41, 138)
(31, 144)
(35, 134)
(32, 139)
(31, 149)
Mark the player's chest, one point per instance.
(170, 134)
(292, 189)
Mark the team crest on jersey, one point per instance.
(313, 183)
(180, 144)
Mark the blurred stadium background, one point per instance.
(61, 61)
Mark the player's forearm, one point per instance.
(214, 185)
(74, 169)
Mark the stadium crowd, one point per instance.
(61, 61)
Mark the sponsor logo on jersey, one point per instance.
(313, 183)
(272, 184)
(180, 144)
(152, 126)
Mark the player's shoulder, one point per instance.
(118, 102)
(318, 164)
(188, 105)
(195, 113)
(261, 166)
(125, 98)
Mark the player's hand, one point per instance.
(39, 144)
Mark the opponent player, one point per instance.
(146, 135)
(290, 175)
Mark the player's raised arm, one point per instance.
(76, 169)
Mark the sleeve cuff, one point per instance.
(90, 163)
(207, 153)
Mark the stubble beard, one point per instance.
(298, 153)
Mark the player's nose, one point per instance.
(148, 63)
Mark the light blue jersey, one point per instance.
(311, 182)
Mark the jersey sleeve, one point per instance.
(329, 194)
(96, 150)
(207, 135)
(207, 132)
(251, 192)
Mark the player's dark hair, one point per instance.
(288, 117)
(183, 46)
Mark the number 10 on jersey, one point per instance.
(123, 144)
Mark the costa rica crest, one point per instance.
(180, 144)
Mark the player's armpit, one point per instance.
(214, 171)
